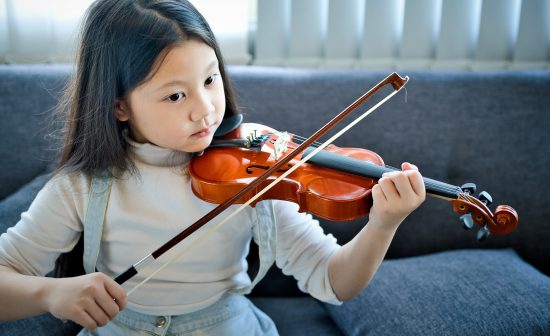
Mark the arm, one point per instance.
(396, 195)
(91, 300)
(28, 251)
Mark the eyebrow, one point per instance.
(181, 82)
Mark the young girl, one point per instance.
(150, 88)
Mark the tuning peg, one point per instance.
(483, 233)
(468, 188)
(467, 221)
(485, 198)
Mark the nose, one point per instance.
(202, 106)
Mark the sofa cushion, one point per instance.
(42, 325)
(463, 292)
(297, 315)
(12, 206)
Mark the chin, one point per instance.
(198, 146)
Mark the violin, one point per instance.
(334, 184)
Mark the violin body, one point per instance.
(221, 172)
(335, 184)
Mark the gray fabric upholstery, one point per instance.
(28, 95)
(465, 292)
(487, 128)
(12, 206)
(42, 325)
(297, 315)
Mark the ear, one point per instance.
(122, 110)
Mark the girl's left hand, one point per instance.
(395, 196)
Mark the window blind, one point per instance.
(377, 34)
(419, 34)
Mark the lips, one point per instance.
(202, 133)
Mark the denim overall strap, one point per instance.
(264, 231)
(265, 236)
(94, 218)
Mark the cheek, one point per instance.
(220, 103)
(221, 108)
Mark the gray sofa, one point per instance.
(492, 129)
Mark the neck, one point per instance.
(370, 170)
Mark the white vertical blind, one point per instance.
(533, 44)
(420, 33)
(229, 21)
(64, 23)
(497, 32)
(23, 25)
(344, 32)
(272, 32)
(308, 24)
(39, 31)
(33, 31)
(459, 27)
(382, 29)
(4, 37)
(411, 34)
(381, 34)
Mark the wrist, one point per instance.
(42, 293)
(383, 227)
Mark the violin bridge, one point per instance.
(281, 145)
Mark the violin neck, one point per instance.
(370, 170)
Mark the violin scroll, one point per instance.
(475, 211)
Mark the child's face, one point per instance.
(182, 104)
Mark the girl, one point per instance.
(150, 88)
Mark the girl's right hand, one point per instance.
(91, 300)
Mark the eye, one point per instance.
(176, 97)
(210, 80)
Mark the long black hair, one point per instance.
(121, 43)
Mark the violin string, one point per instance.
(302, 139)
(211, 230)
(435, 185)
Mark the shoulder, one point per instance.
(68, 191)
(69, 184)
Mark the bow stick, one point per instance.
(394, 79)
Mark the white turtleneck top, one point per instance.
(144, 211)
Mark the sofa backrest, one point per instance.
(28, 96)
(489, 128)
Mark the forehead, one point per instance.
(186, 59)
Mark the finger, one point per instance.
(117, 293)
(99, 316)
(378, 195)
(417, 183)
(403, 185)
(85, 320)
(408, 166)
(108, 304)
(388, 187)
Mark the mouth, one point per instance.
(202, 133)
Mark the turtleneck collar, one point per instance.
(157, 156)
